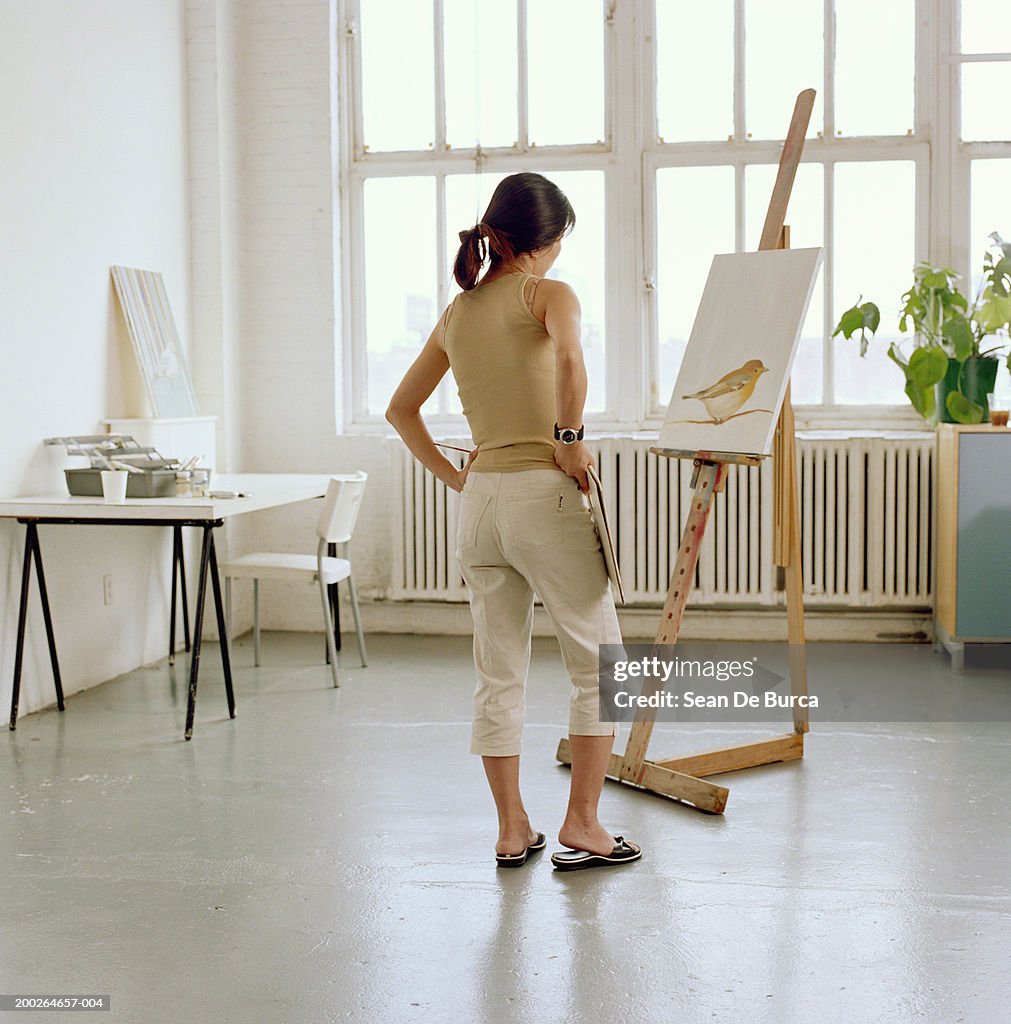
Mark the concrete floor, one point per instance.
(328, 856)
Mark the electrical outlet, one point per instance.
(107, 589)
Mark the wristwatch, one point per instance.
(568, 435)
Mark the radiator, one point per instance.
(866, 525)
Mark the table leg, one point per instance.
(198, 625)
(226, 662)
(47, 616)
(33, 550)
(176, 530)
(26, 579)
(182, 588)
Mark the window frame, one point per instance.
(629, 157)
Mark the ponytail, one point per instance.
(529, 212)
(477, 245)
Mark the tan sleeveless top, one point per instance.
(503, 361)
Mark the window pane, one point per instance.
(695, 71)
(779, 64)
(986, 27)
(397, 48)
(480, 107)
(400, 300)
(875, 244)
(695, 221)
(565, 48)
(991, 210)
(985, 87)
(806, 217)
(581, 263)
(875, 49)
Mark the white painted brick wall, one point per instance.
(265, 218)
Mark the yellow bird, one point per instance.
(731, 391)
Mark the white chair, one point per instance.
(336, 524)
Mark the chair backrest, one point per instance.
(340, 507)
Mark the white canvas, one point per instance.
(145, 305)
(735, 370)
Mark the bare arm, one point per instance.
(562, 322)
(404, 411)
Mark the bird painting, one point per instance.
(725, 398)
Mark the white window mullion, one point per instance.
(828, 272)
(828, 129)
(740, 120)
(522, 85)
(358, 378)
(626, 357)
(442, 274)
(352, 51)
(643, 315)
(439, 39)
(827, 132)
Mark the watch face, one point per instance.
(569, 436)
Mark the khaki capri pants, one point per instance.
(520, 534)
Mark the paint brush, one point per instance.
(455, 448)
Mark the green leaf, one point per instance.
(922, 399)
(958, 333)
(1000, 276)
(962, 410)
(895, 355)
(927, 366)
(862, 318)
(850, 322)
(995, 313)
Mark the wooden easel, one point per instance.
(684, 778)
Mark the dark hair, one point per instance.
(526, 212)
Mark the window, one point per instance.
(665, 131)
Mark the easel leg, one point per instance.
(708, 476)
(787, 554)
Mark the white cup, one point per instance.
(114, 483)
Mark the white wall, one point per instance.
(94, 173)
(266, 297)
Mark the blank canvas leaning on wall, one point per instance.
(145, 305)
(735, 370)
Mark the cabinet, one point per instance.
(973, 583)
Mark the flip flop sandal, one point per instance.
(576, 860)
(516, 860)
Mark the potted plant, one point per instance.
(956, 347)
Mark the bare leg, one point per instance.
(514, 831)
(581, 829)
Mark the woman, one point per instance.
(512, 342)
